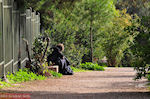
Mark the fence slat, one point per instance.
(23, 36)
(1, 38)
(28, 28)
(33, 20)
(7, 35)
(15, 30)
(36, 25)
(39, 24)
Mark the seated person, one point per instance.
(57, 58)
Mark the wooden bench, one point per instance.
(54, 68)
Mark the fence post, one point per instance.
(33, 26)
(1, 38)
(39, 24)
(28, 28)
(23, 36)
(15, 30)
(36, 25)
(7, 36)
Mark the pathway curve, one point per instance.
(113, 83)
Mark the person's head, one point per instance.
(60, 47)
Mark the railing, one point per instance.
(14, 27)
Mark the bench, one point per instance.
(54, 68)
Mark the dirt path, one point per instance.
(113, 83)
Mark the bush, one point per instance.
(142, 71)
(24, 75)
(91, 66)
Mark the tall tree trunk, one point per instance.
(91, 36)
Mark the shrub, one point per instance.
(91, 66)
(24, 75)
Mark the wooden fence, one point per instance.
(15, 26)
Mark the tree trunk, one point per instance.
(91, 37)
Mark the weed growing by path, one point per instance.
(55, 74)
(91, 66)
(78, 69)
(23, 76)
(4, 84)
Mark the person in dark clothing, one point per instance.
(57, 58)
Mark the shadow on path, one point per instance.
(109, 95)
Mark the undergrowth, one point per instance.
(91, 66)
(4, 84)
(78, 69)
(23, 76)
(55, 74)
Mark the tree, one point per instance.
(139, 7)
(119, 37)
(82, 19)
(91, 16)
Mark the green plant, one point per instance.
(24, 75)
(4, 84)
(119, 36)
(148, 77)
(55, 74)
(78, 69)
(91, 66)
(72, 21)
(39, 60)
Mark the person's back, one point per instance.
(57, 58)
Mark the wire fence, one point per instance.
(15, 26)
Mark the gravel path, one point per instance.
(113, 83)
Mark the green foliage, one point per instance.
(148, 77)
(78, 69)
(119, 36)
(55, 74)
(39, 46)
(91, 66)
(24, 75)
(40, 51)
(138, 55)
(4, 84)
(89, 17)
(139, 7)
(69, 22)
(140, 49)
(64, 33)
